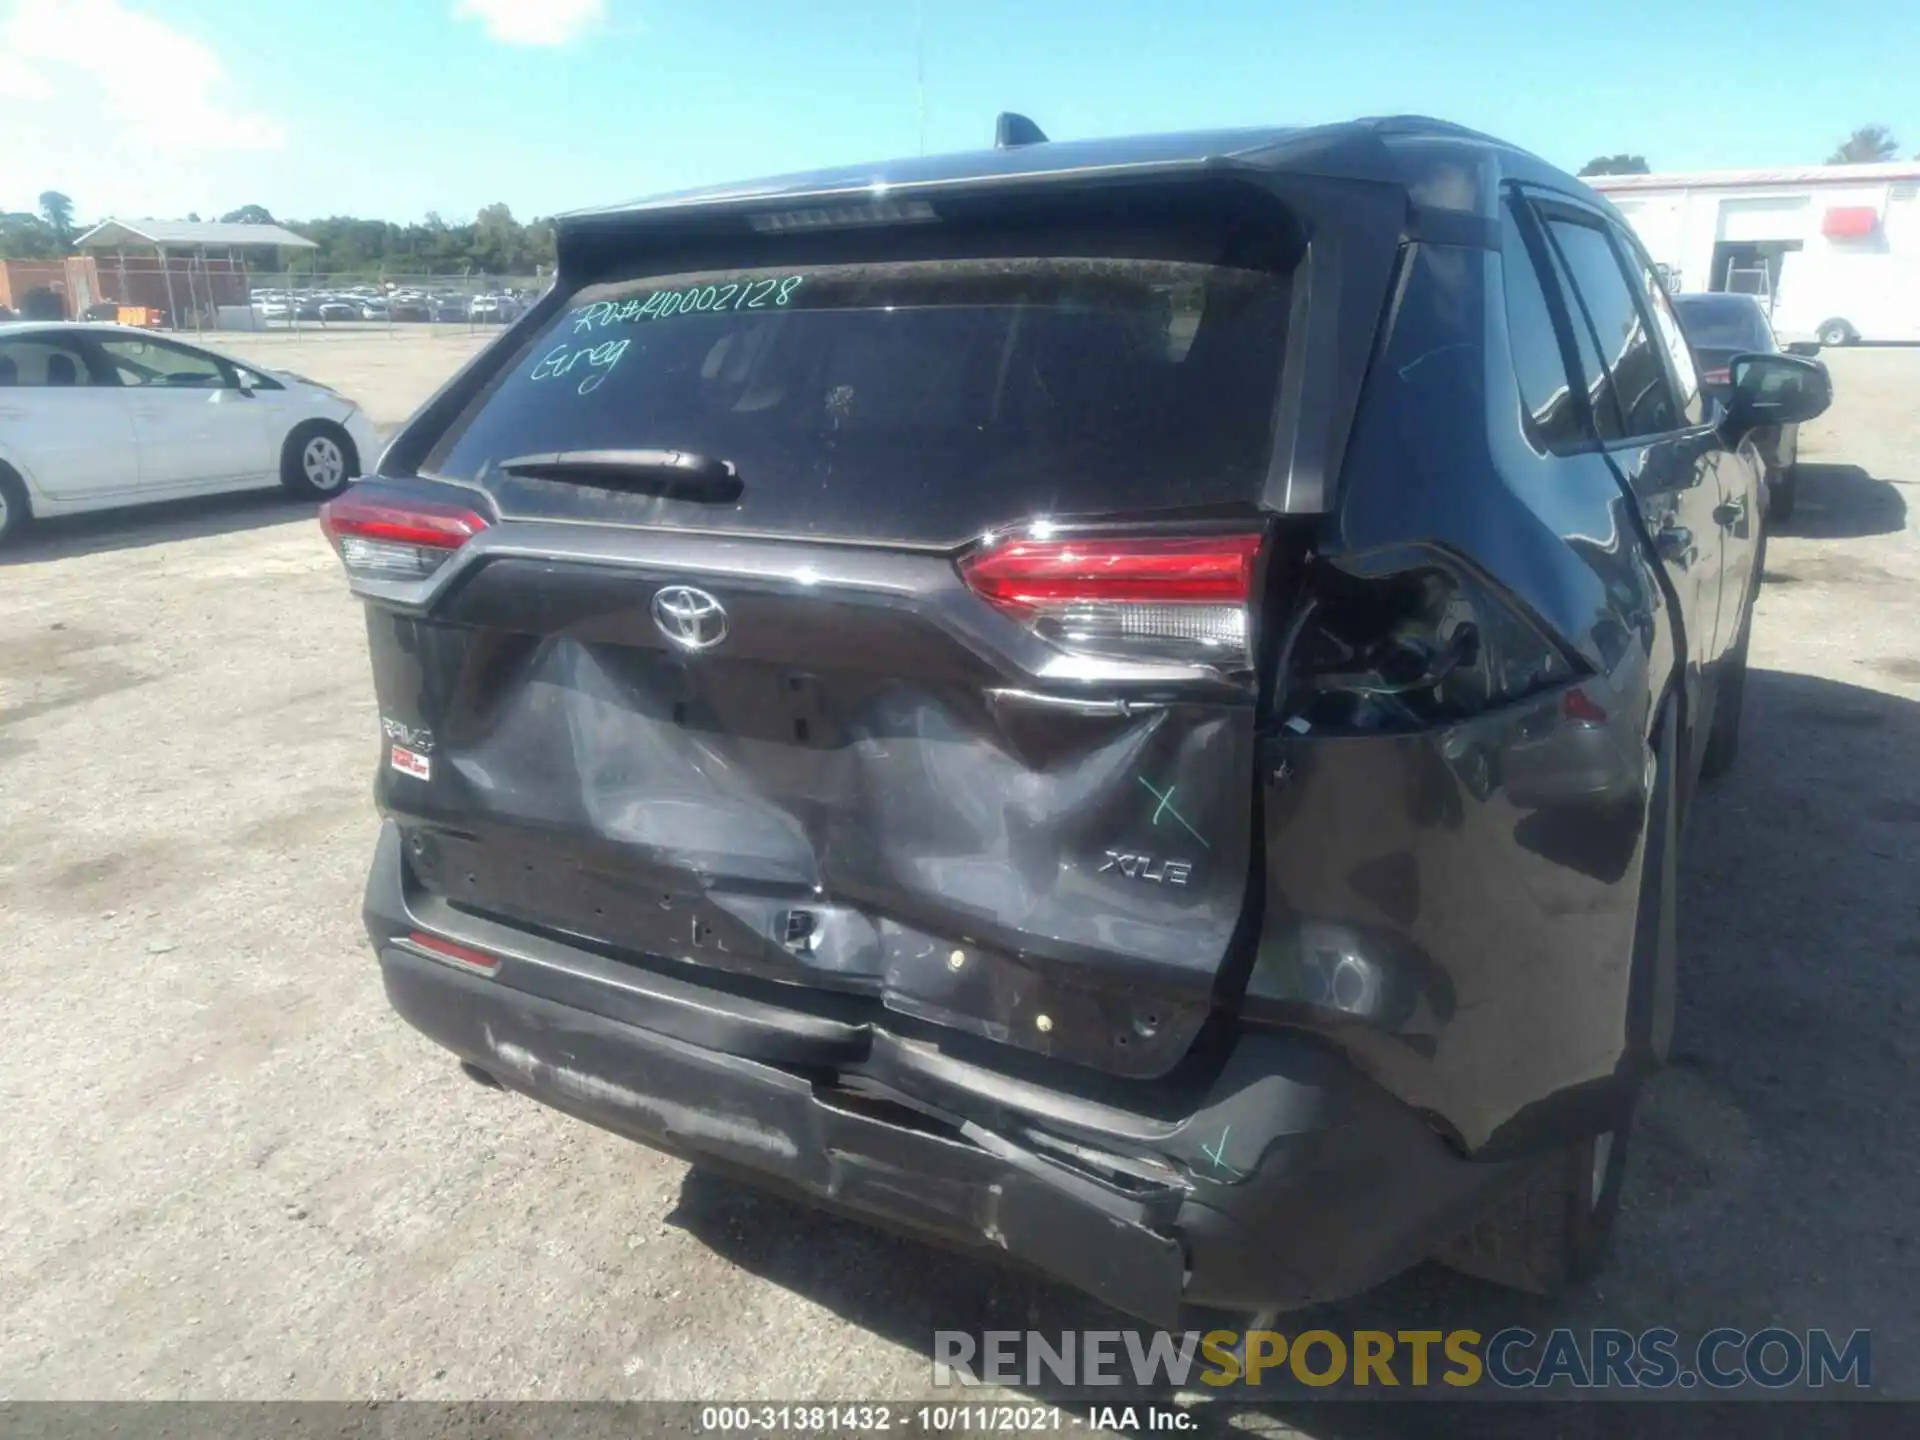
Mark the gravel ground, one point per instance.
(231, 1173)
(389, 372)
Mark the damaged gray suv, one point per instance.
(1130, 703)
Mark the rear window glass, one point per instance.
(921, 400)
(1724, 324)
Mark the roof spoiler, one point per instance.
(1011, 131)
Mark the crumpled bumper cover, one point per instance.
(713, 1107)
(1290, 1179)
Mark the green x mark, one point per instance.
(1165, 807)
(1217, 1151)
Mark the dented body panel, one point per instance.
(1232, 942)
(876, 787)
(1464, 919)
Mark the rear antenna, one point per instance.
(1011, 131)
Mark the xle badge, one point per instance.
(1145, 867)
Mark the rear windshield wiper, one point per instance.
(656, 472)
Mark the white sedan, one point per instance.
(93, 417)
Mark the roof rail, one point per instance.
(1011, 131)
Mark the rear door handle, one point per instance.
(1730, 513)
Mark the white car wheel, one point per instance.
(318, 459)
(323, 464)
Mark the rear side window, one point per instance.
(918, 400)
(1635, 378)
(43, 360)
(1554, 419)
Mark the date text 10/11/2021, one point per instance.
(885, 1418)
(601, 357)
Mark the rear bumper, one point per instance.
(1278, 1178)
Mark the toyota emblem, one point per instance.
(690, 618)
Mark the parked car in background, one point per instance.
(493, 309)
(450, 307)
(275, 309)
(1720, 326)
(340, 309)
(410, 308)
(94, 417)
(375, 308)
(307, 307)
(1193, 804)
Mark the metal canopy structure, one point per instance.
(191, 237)
(187, 235)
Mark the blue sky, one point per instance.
(398, 107)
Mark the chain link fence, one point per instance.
(300, 301)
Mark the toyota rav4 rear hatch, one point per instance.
(877, 614)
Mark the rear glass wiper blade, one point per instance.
(663, 472)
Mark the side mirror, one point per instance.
(1808, 348)
(1774, 390)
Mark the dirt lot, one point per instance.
(229, 1172)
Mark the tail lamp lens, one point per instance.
(386, 539)
(1182, 599)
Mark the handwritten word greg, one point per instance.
(564, 359)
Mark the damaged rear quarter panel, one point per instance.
(1457, 905)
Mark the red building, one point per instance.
(182, 268)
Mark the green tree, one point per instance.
(1616, 165)
(493, 243)
(24, 236)
(57, 210)
(1868, 144)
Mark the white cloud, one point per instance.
(533, 22)
(160, 89)
(20, 81)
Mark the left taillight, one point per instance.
(1185, 599)
(383, 538)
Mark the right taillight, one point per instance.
(1185, 599)
(383, 538)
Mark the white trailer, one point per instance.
(1832, 250)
